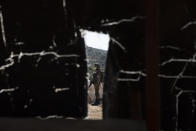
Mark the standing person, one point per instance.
(96, 81)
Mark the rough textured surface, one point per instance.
(48, 26)
(124, 86)
(95, 112)
(177, 65)
(43, 69)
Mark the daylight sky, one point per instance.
(96, 40)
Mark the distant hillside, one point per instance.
(96, 56)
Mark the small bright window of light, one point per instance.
(96, 40)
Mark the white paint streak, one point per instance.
(7, 90)
(43, 53)
(124, 21)
(119, 44)
(128, 79)
(139, 73)
(2, 28)
(170, 47)
(133, 72)
(190, 60)
(57, 90)
(188, 24)
(3, 67)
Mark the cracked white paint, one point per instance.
(139, 73)
(177, 104)
(171, 47)
(43, 53)
(133, 72)
(123, 21)
(7, 90)
(130, 80)
(2, 28)
(119, 44)
(57, 90)
(188, 24)
(179, 76)
(190, 60)
(3, 67)
(176, 76)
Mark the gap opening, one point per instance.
(96, 44)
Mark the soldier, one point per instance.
(96, 81)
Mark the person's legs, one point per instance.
(97, 95)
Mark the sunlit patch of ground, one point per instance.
(94, 112)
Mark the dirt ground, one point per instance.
(94, 112)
